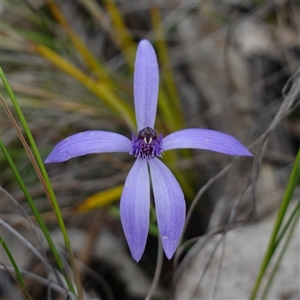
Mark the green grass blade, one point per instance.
(34, 210)
(295, 219)
(13, 262)
(287, 225)
(292, 183)
(45, 175)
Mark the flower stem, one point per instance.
(157, 270)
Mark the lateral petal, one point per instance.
(87, 142)
(135, 208)
(205, 139)
(169, 205)
(146, 80)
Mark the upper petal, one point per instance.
(169, 205)
(87, 142)
(135, 207)
(206, 139)
(146, 80)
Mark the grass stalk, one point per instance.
(293, 180)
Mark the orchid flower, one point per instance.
(147, 146)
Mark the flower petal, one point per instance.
(169, 205)
(87, 142)
(206, 139)
(146, 80)
(135, 207)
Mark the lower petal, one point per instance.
(135, 207)
(206, 139)
(169, 205)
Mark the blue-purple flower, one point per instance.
(147, 146)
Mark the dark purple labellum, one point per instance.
(147, 144)
(147, 134)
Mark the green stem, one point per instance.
(293, 180)
(157, 270)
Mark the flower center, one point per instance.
(147, 144)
